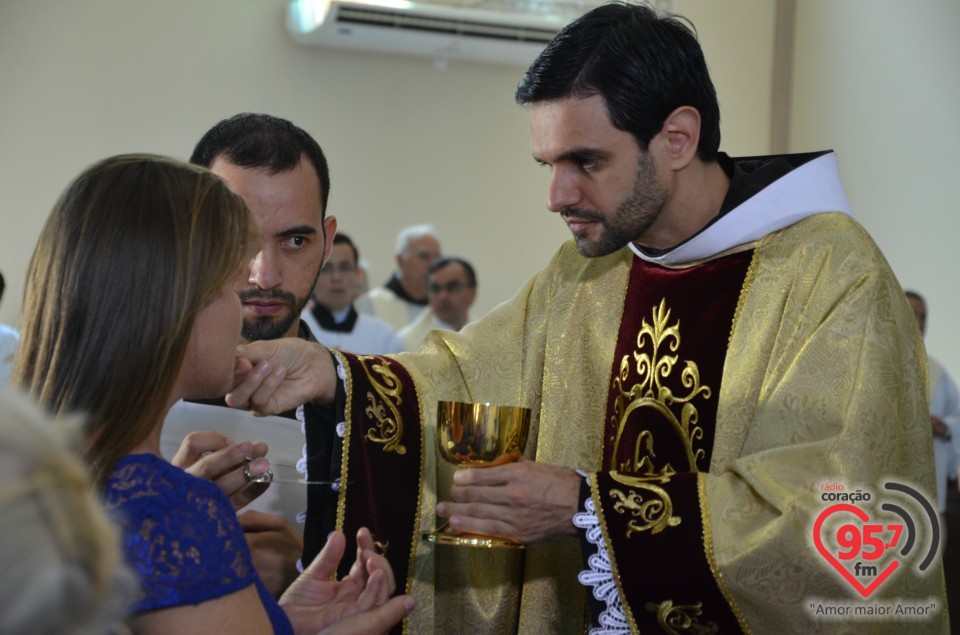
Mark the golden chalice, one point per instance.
(479, 435)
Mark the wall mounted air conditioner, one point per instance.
(441, 32)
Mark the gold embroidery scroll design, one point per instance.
(681, 618)
(383, 404)
(653, 512)
(654, 363)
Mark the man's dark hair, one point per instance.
(643, 66)
(252, 140)
(443, 261)
(3, 285)
(343, 239)
(916, 296)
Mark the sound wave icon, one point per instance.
(911, 530)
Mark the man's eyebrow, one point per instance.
(576, 154)
(299, 230)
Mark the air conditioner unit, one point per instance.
(441, 32)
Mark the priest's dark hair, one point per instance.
(644, 66)
(252, 140)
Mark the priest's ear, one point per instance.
(681, 134)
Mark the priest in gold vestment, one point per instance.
(718, 352)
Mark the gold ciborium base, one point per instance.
(448, 536)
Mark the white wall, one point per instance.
(83, 79)
(878, 81)
(737, 37)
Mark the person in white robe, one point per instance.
(944, 410)
(331, 314)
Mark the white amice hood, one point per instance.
(812, 188)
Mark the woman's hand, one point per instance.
(359, 603)
(214, 457)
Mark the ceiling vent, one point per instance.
(437, 31)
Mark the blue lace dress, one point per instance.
(181, 536)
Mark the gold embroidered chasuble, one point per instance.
(660, 421)
(813, 389)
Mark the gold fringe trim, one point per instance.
(744, 290)
(415, 541)
(711, 557)
(345, 447)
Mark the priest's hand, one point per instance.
(273, 376)
(214, 457)
(526, 502)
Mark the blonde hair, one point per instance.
(134, 249)
(60, 555)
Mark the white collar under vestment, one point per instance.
(812, 188)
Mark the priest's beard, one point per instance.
(632, 218)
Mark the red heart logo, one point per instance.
(828, 555)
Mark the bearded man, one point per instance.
(281, 173)
(719, 341)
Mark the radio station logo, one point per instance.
(869, 539)
(867, 546)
